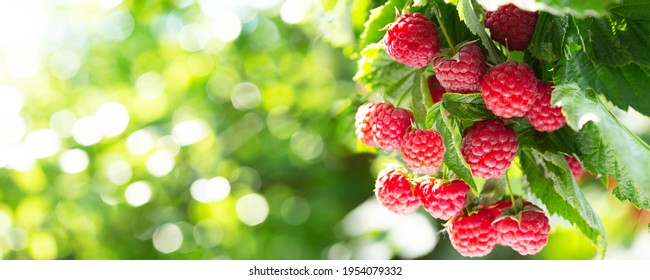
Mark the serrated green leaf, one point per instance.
(548, 38)
(616, 40)
(561, 140)
(579, 8)
(451, 134)
(608, 147)
(632, 9)
(466, 106)
(625, 86)
(466, 13)
(492, 191)
(548, 176)
(379, 18)
(379, 72)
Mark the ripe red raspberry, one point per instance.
(389, 125)
(509, 89)
(422, 150)
(435, 89)
(463, 72)
(542, 115)
(473, 235)
(394, 192)
(498, 208)
(412, 40)
(363, 125)
(489, 147)
(511, 26)
(443, 200)
(576, 168)
(528, 235)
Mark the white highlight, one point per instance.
(206, 191)
(294, 11)
(150, 85)
(246, 96)
(11, 101)
(140, 142)
(86, 131)
(160, 163)
(252, 209)
(138, 193)
(112, 119)
(73, 161)
(168, 238)
(225, 27)
(119, 172)
(190, 132)
(42, 143)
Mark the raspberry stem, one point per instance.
(512, 197)
(436, 11)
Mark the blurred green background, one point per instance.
(208, 130)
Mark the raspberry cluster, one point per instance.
(488, 146)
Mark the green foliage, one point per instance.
(381, 73)
(379, 18)
(579, 8)
(467, 14)
(549, 178)
(616, 40)
(606, 146)
(467, 106)
(451, 131)
(548, 39)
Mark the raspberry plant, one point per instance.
(526, 89)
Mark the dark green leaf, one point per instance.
(456, 29)
(451, 134)
(632, 9)
(492, 191)
(549, 178)
(548, 38)
(467, 106)
(607, 147)
(417, 103)
(379, 18)
(616, 41)
(561, 140)
(467, 14)
(625, 86)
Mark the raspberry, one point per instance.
(389, 125)
(526, 235)
(394, 192)
(473, 235)
(435, 89)
(509, 89)
(498, 208)
(363, 125)
(575, 166)
(489, 147)
(422, 150)
(511, 26)
(443, 200)
(461, 73)
(542, 115)
(412, 40)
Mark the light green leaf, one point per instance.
(467, 106)
(607, 147)
(467, 14)
(379, 72)
(632, 9)
(579, 8)
(379, 18)
(450, 131)
(548, 38)
(548, 176)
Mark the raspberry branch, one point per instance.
(436, 11)
(512, 197)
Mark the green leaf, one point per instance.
(379, 18)
(548, 38)
(561, 140)
(607, 147)
(467, 106)
(625, 86)
(492, 191)
(616, 40)
(456, 29)
(548, 176)
(417, 103)
(579, 8)
(379, 72)
(451, 134)
(632, 9)
(467, 14)
(420, 3)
